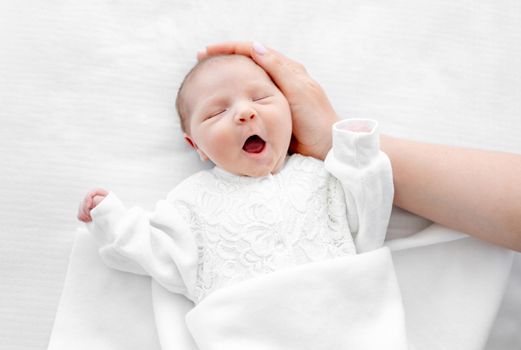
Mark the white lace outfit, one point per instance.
(216, 228)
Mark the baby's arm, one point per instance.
(157, 244)
(366, 177)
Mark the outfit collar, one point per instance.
(230, 176)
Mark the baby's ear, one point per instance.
(192, 144)
(189, 141)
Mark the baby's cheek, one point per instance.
(222, 141)
(283, 122)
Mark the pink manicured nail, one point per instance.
(259, 48)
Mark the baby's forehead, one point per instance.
(238, 63)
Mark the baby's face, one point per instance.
(238, 118)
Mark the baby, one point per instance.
(258, 210)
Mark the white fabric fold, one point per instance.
(450, 289)
(366, 176)
(101, 308)
(345, 303)
(146, 243)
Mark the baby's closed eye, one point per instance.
(215, 113)
(261, 98)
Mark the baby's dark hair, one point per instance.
(180, 102)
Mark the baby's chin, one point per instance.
(258, 168)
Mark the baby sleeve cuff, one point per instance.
(356, 141)
(106, 217)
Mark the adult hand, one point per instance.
(311, 110)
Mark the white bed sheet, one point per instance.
(87, 92)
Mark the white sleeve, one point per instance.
(366, 177)
(157, 244)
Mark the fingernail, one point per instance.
(259, 48)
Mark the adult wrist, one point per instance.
(324, 150)
(327, 142)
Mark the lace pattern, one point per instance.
(245, 227)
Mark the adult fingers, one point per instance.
(228, 48)
(288, 74)
(285, 72)
(255, 50)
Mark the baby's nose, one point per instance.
(245, 116)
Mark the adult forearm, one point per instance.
(473, 191)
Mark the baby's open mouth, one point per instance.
(254, 144)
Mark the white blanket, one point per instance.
(425, 299)
(86, 99)
(346, 303)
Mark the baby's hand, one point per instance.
(92, 199)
